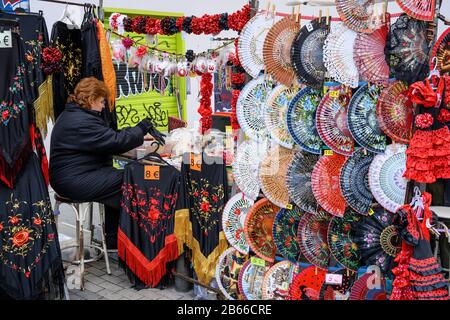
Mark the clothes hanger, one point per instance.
(67, 18)
(156, 157)
(434, 72)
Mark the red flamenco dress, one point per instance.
(428, 154)
(418, 276)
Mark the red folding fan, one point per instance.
(418, 9)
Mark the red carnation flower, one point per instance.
(424, 120)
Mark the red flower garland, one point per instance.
(205, 111)
(237, 79)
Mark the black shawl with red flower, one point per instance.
(146, 240)
(206, 191)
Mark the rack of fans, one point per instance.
(338, 118)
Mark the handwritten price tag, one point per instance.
(151, 172)
(328, 152)
(333, 279)
(196, 162)
(258, 262)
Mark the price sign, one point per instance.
(328, 152)
(334, 94)
(333, 279)
(196, 162)
(5, 39)
(151, 172)
(257, 262)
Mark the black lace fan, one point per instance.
(307, 53)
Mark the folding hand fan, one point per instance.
(340, 239)
(331, 122)
(338, 55)
(258, 229)
(251, 42)
(370, 57)
(338, 291)
(326, 184)
(409, 49)
(250, 107)
(362, 119)
(233, 220)
(277, 50)
(301, 120)
(395, 112)
(363, 288)
(272, 175)
(312, 233)
(386, 177)
(251, 279)
(441, 51)
(307, 53)
(276, 281)
(358, 14)
(306, 284)
(354, 180)
(275, 115)
(285, 229)
(227, 272)
(245, 167)
(419, 9)
(298, 181)
(377, 239)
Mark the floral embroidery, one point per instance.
(150, 210)
(20, 234)
(10, 109)
(71, 62)
(205, 204)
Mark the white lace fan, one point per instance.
(245, 167)
(251, 42)
(250, 107)
(338, 55)
(277, 104)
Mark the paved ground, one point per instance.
(101, 286)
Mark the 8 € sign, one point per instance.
(5, 39)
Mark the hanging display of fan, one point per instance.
(312, 233)
(340, 240)
(338, 55)
(307, 53)
(301, 120)
(276, 281)
(325, 184)
(285, 229)
(333, 291)
(408, 49)
(251, 279)
(307, 283)
(272, 175)
(377, 239)
(362, 119)
(331, 122)
(386, 177)
(245, 167)
(233, 220)
(395, 112)
(354, 180)
(258, 229)
(250, 107)
(275, 110)
(227, 272)
(441, 51)
(251, 42)
(277, 50)
(299, 174)
(370, 57)
(358, 15)
(364, 288)
(418, 9)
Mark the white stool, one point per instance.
(444, 213)
(81, 210)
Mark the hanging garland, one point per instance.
(207, 24)
(237, 81)
(205, 111)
